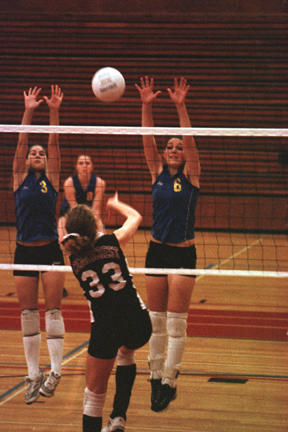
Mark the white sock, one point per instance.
(176, 327)
(55, 348)
(32, 346)
(157, 343)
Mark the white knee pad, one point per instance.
(157, 342)
(159, 321)
(125, 359)
(54, 324)
(93, 403)
(30, 322)
(176, 324)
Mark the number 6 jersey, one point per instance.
(104, 276)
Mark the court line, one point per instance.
(78, 425)
(68, 357)
(232, 256)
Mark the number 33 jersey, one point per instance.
(104, 276)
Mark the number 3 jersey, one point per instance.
(104, 276)
(35, 203)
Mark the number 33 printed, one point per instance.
(117, 281)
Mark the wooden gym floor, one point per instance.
(234, 372)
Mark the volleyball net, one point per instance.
(241, 217)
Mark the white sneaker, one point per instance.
(32, 388)
(48, 388)
(117, 424)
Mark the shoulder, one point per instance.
(100, 182)
(68, 181)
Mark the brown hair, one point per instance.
(81, 221)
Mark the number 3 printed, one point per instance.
(117, 281)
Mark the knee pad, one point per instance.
(176, 324)
(157, 342)
(54, 324)
(125, 359)
(93, 403)
(30, 322)
(159, 322)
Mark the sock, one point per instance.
(32, 352)
(157, 343)
(91, 424)
(55, 348)
(125, 377)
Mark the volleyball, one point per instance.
(108, 84)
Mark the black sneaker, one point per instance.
(167, 394)
(155, 393)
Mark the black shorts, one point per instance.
(160, 255)
(49, 254)
(110, 331)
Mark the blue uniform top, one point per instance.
(174, 204)
(82, 196)
(35, 202)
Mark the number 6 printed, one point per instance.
(117, 281)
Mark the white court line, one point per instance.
(233, 256)
(13, 395)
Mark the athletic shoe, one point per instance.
(117, 424)
(48, 388)
(155, 393)
(32, 388)
(167, 394)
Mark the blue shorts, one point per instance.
(160, 255)
(49, 254)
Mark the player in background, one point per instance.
(83, 187)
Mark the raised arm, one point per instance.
(147, 95)
(132, 222)
(54, 159)
(192, 164)
(31, 101)
(97, 205)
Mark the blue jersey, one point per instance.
(35, 202)
(82, 196)
(104, 277)
(174, 204)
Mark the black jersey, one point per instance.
(104, 276)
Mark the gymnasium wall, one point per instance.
(234, 54)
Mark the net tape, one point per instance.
(131, 130)
(139, 270)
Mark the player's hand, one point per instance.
(178, 95)
(56, 97)
(146, 90)
(31, 98)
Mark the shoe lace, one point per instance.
(52, 381)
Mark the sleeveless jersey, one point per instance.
(174, 204)
(82, 196)
(35, 202)
(105, 279)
